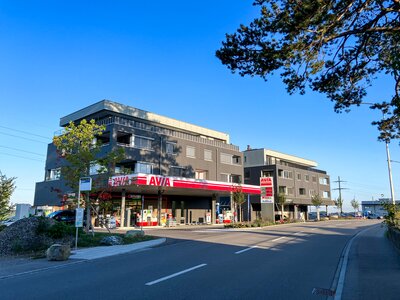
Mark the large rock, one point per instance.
(111, 240)
(58, 252)
(135, 232)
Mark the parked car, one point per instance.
(67, 216)
(374, 216)
(7, 222)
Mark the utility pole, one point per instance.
(340, 193)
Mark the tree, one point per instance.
(317, 202)
(238, 198)
(354, 203)
(80, 148)
(7, 187)
(281, 199)
(339, 205)
(334, 47)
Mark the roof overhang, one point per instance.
(169, 185)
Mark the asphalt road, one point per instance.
(295, 261)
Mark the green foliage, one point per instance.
(88, 240)
(392, 219)
(339, 203)
(355, 204)
(7, 187)
(333, 47)
(2, 227)
(60, 230)
(316, 200)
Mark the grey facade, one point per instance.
(295, 177)
(153, 144)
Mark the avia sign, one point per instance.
(160, 180)
(267, 189)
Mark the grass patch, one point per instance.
(88, 240)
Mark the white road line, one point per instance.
(175, 274)
(277, 239)
(244, 250)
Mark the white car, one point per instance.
(7, 222)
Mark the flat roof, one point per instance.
(142, 114)
(286, 157)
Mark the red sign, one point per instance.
(160, 181)
(267, 189)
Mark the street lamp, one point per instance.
(388, 160)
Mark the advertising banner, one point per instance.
(267, 189)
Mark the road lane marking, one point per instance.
(175, 274)
(277, 239)
(244, 250)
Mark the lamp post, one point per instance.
(388, 160)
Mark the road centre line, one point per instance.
(244, 250)
(175, 274)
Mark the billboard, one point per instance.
(267, 189)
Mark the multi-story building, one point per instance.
(176, 168)
(293, 176)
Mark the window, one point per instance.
(282, 190)
(311, 193)
(236, 178)
(170, 148)
(191, 151)
(302, 191)
(323, 180)
(145, 168)
(290, 191)
(298, 176)
(95, 169)
(124, 138)
(307, 177)
(104, 139)
(270, 160)
(266, 174)
(325, 194)
(285, 174)
(247, 174)
(236, 160)
(226, 158)
(53, 174)
(201, 174)
(225, 177)
(314, 179)
(207, 155)
(141, 142)
(177, 171)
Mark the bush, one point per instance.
(60, 230)
(2, 227)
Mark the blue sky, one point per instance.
(59, 56)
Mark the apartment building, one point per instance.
(297, 178)
(176, 168)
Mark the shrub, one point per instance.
(60, 230)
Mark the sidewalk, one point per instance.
(373, 270)
(10, 267)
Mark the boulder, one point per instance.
(58, 252)
(135, 232)
(111, 240)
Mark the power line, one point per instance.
(16, 149)
(24, 138)
(26, 132)
(42, 161)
